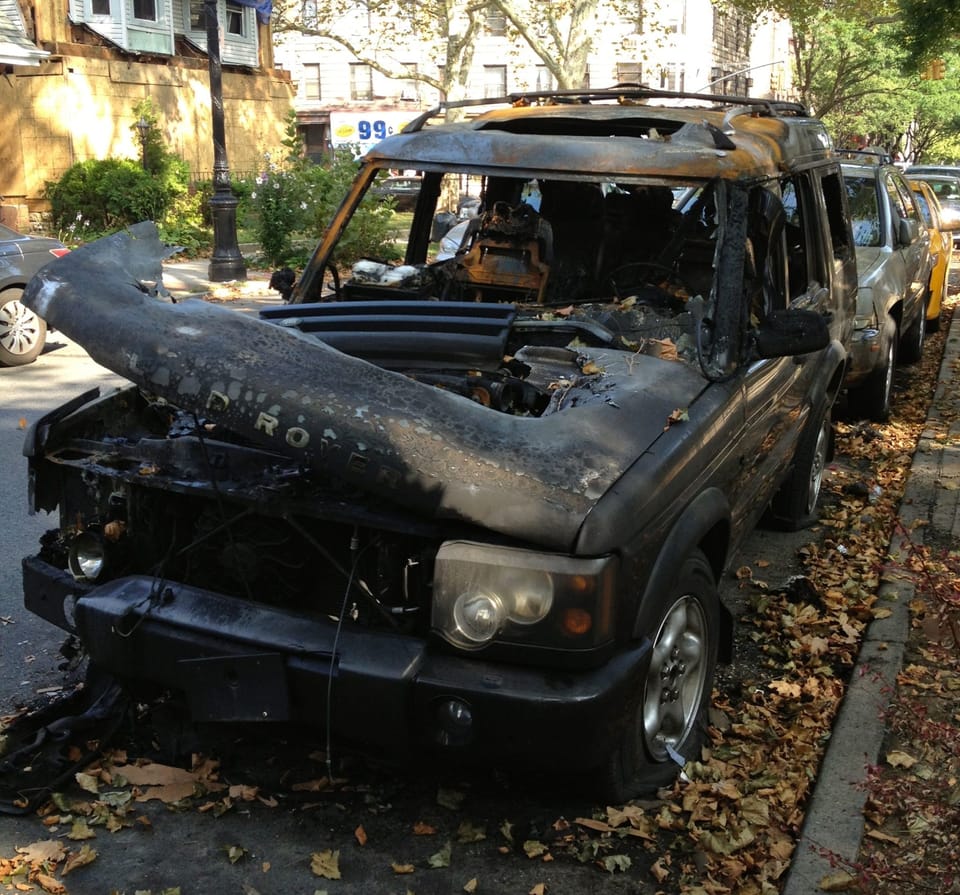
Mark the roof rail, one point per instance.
(624, 94)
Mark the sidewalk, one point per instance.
(190, 279)
(834, 819)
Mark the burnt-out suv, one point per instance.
(477, 507)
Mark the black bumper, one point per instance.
(239, 661)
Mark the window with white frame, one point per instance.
(310, 89)
(410, 88)
(494, 80)
(234, 19)
(146, 10)
(100, 7)
(496, 21)
(544, 78)
(629, 73)
(361, 81)
(672, 77)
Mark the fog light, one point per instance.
(454, 723)
(87, 556)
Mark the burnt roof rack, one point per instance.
(624, 94)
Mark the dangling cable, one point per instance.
(355, 554)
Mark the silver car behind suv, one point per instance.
(893, 266)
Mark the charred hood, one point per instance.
(534, 478)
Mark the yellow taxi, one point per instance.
(941, 249)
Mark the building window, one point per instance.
(672, 77)
(361, 81)
(100, 7)
(410, 87)
(544, 78)
(145, 10)
(234, 19)
(494, 80)
(496, 21)
(629, 73)
(311, 81)
(198, 18)
(309, 13)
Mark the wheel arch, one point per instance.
(703, 525)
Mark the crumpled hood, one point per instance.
(534, 478)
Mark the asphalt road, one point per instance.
(381, 822)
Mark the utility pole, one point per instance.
(226, 263)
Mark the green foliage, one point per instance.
(292, 202)
(100, 196)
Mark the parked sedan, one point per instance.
(403, 190)
(22, 333)
(893, 266)
(941, 248)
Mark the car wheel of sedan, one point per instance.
(911, 346)
(668, 721)
(794, 506)
(22, 333)
(873, 399)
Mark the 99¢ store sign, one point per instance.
(365, 129)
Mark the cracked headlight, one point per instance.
(483, 593)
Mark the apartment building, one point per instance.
(691, 47)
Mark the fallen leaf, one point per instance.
(837, 882)
(467, 832)
(85, 856)
(898, 759)
(471, 885)
(50, 884)
(235, 853)
(326, 864)
(80, 830)
(534, 848)
(423, 829)
(538, 889)
(402, 868)
(360, 834)
(442, 857)
(612, 863)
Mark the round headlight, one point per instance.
(478, 616)
(87, 556)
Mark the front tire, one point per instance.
(874, 398)
(795, 505)
(667, 721)
(22, 333)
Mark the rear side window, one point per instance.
(864, 210)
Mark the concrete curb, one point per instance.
(834, 826)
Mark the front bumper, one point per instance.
(389, 693)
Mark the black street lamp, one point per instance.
(143, 126)
(226, 263)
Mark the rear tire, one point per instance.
(22, 333)
(667, 721)
(911, 345)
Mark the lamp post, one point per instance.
(226, 263)
(143, 126)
